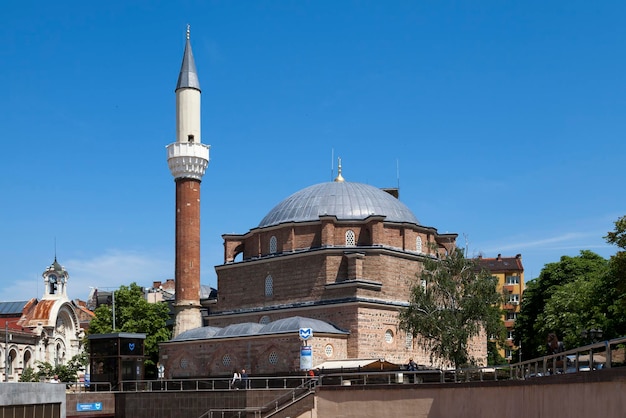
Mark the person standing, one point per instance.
(160, 373)
(244, 379)
(554, 346)
(411, 367)
(236, 380)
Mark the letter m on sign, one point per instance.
(305, 333)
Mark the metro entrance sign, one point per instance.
(306, 333)
(94, 406)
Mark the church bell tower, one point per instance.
(188, 159)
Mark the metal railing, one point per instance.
(591, 357)
(269, 409)
(220, 383)
(80, 387)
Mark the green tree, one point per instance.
(29, 375)
(133, 313)
(618, 236)
(493, 354)
(613, 292)
(559, 300)
(66, 372)
(450, 303)
(573, 308)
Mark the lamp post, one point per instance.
(112, 300)
(593, 335)
(6, 351)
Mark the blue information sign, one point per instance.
(94, 406)
(306, 357)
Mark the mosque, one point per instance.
(336, 259)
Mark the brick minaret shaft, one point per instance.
(188, 159)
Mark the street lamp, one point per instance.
(112, 300)
(593, 335)
(6, 351)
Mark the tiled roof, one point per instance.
(12, 308)
(501, 264)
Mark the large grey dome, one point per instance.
(343, 199)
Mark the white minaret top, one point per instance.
(188, 157)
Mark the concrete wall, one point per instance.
(48, 399)
(598, 394)
(189, 404)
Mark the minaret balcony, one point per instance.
(188, 159)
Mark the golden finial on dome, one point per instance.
(339, 177)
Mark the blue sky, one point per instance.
(504, 120)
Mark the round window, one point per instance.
(226, 360)
(328, 350)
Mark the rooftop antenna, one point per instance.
(466, 244)
(398, 173)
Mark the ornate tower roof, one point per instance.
(188, 76)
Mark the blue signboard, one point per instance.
(306, 357)
(94, 406)
(305, 333)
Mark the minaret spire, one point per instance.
(339, 178)
(188, 159)
(188, 77)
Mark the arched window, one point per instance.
(409, 341)
(265, 320)
(273, 245)
(418, 244)
(350, 238)
(27, 359)
(57, 354)
(11, 360)
(269, 286)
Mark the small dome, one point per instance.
(295, 323)
(246, 329)
(200, 333)
(239, 330)
(345, 200)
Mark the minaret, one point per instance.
(188, 159)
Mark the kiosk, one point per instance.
(116, 358)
